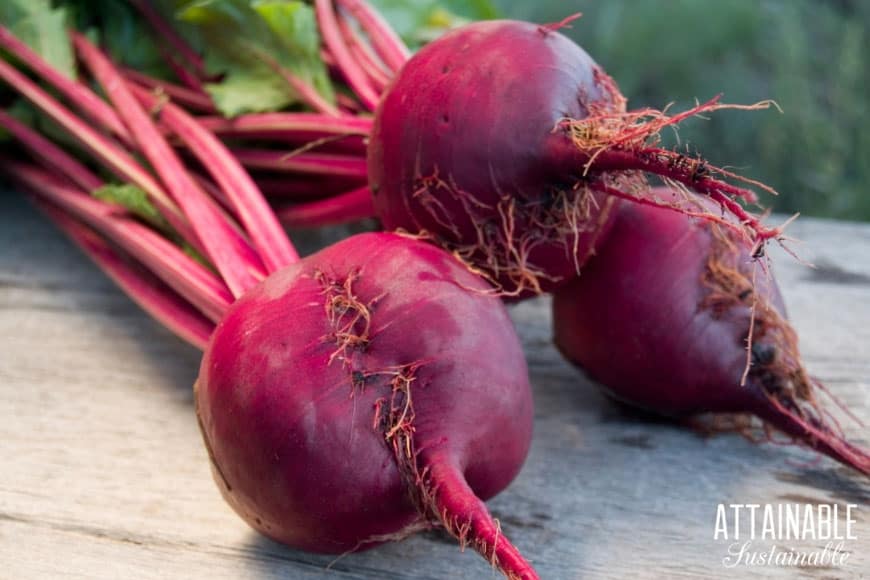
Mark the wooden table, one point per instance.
(103, 475)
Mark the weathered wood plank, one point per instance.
(102, 474)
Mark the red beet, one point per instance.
(661, 318)
(506, 143)
(369, 389)
(468, 154)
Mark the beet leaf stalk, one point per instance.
(387, 451)
(348, 207)
(152, 295)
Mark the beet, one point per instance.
(507, 144)
(474, 143)
(364, 392)
(661, 318)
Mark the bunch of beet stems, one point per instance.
(312, 165)
(222, 214)
(299, 156)
(225, 198)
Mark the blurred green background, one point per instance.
(810, 56)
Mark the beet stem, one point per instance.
(250, 206)
(360, 51)
(259, 124)
(333, 39)
(301, 189)
(305, 91)
(84, 99)
(187, 78)
(184, 96)
(152, 295)
(49, 155)
(327, 164)
(227, 251)
(166, 32)
(384, 39)
(114, 157)
(186, 276)
(340, 209)
(346, 133)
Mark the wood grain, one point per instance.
(102, 473)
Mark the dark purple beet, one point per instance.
(461, 145)
(661, 317)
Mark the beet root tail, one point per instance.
(809, 429)
(616, 150)
(465, 516)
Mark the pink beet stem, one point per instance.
(84, 100)
(304, 189)
(307, 163)
(186, 276)
(346, 134)
(219, 196)
(363, 55)
(298, 142)
(184, 96)
(276, 124)
(343, 208)
(111, 154)
(222, 203)
(50, 155)
(152, 295)
(334, 41)
(226, 250)
(384, 39)
(256, 217)
(458, 507)
(166, 32)
(187, 78)
(378, 78)
(348, 104)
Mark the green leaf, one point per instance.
(294, 25)
(421, 21)
(244, 91)
(134, 200)
(126, 36)
(245, 40)
(43, 28)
